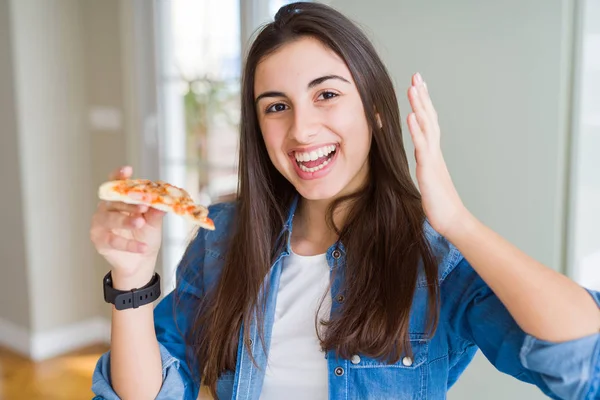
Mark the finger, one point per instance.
(426, 101)
(417, 106)
(154, 217)
(116, 242)
(118, 220)
(425, 98)
(121, 173)
(124, 207)
(415, 132)
(417, 79)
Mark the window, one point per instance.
(199, 58)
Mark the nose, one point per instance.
(305, 126)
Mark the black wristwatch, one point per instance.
(124, 299)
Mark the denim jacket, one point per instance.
(471, 317)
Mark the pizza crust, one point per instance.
(159, 195)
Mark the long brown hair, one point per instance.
(383, 233)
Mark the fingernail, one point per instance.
(425, 84)
(419, 78)
(138, 223)
(414, 90)
(125, 169)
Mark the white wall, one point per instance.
(499, 76)
(54, 157)
(58, 58)
(584, 254)
(14, 305)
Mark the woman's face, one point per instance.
(312, 119)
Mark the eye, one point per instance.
(277, 107)
(327, 95)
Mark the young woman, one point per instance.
(332, 276)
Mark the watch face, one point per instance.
(106, 288)
(105, 291)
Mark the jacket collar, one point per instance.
(286, 232)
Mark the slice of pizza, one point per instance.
(157, 194)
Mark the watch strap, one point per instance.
(124, 299)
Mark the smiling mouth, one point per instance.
(316, 159)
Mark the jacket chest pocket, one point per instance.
(404, 380)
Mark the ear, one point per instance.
(379, 123)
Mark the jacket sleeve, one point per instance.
(172, 320)
(568, 370)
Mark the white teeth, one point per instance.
(315, 154)
(314, 169)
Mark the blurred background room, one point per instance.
(87, 86)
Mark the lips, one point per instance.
(315, 159)
(314, 163)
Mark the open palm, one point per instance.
(443, 207)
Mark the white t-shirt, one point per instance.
(296, 366)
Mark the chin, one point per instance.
(319, 191)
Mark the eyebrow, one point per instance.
(311, 85)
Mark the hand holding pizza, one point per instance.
(128, 236)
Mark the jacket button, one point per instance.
(339, 371)
(340, 298)
(355, 359)
(336, 254)
(407, 361)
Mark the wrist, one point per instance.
(127, 281)
(465, 226)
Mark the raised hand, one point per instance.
(443, 207)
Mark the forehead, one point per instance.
(296, 63)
